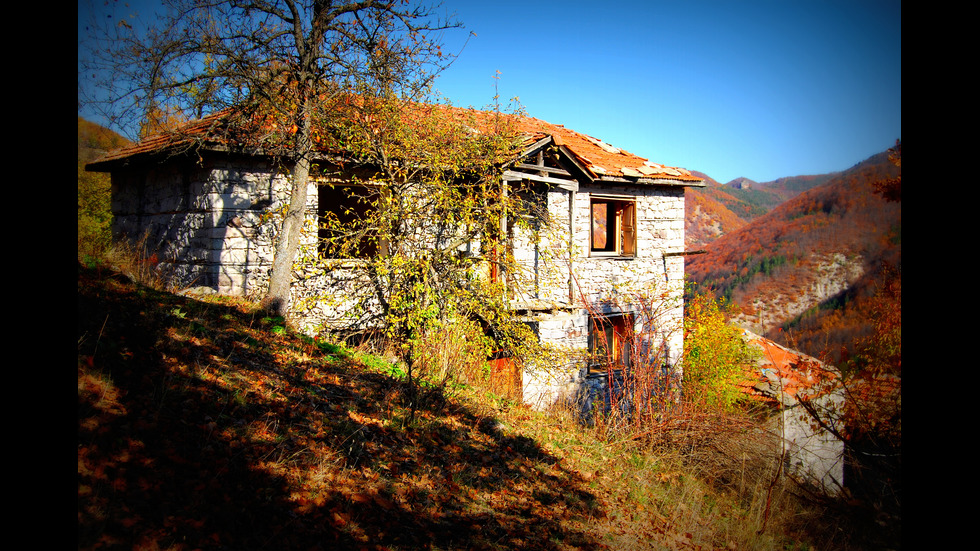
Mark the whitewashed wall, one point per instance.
(208, 225)
(214, 225)
(601, 284)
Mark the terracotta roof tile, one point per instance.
(600, 158)
(784, 375)
(157, 143)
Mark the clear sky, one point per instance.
(753, 88)
(760, 89)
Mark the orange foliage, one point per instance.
(772, 255)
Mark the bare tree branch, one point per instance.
(284, 62)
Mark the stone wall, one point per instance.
(648, 285)
(812, 453)
(213, 223)
(209, 225)
(558, 377)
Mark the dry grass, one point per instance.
(454, 353)
(131, 259)
(201, 427)
(697, 483)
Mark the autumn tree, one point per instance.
(94, 213)
(891, 188)
(429, 204)
(715, 356)
(275, 65)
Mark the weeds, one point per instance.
(269, 429)
(131, 259)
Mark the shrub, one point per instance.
(715, 356)
(94, 216)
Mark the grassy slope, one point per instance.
(197, 423)
(204, 425)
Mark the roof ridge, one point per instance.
(603, 159)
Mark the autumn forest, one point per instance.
(777, 258)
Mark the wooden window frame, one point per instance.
(619, 226)
(617, 328)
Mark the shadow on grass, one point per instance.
(199, 428)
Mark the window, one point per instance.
(342, 233)
(613, 227)
(610, 341)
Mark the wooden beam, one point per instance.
(512, 175)
(536, 146)
(570, 157)
(542, 168)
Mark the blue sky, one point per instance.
(760, 89)
(729, 88)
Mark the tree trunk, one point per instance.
(287, 243)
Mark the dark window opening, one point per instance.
(610, 342)
(342, 231)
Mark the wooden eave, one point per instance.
(569, 156)
(141, 159)
(187, 150)
(516, 176)
(566, 175)
(685, 253)
(649, 181)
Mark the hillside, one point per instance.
(791, 186)
(93, 188)
(823, 250)
(717, 209)
(205, 424)
(707, 217)
(94, 140)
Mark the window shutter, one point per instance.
(628, 229)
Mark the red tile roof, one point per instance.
(158, 143)
(597, 157)
(783, 375)
(601, 158)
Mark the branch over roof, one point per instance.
(600, 160)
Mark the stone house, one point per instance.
(602, 264)
(806, 400)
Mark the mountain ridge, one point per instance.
(717, 208)
(823, 250)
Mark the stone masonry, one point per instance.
(212, 223)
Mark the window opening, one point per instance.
(610, 342)
(341, 230)
(613, 230)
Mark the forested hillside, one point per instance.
(94, 140)
(790, 186)
(717, 209)
(93, 187)
(707, 216)
(805, 273)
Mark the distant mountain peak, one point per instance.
(742, 183)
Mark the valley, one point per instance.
(804, 271)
